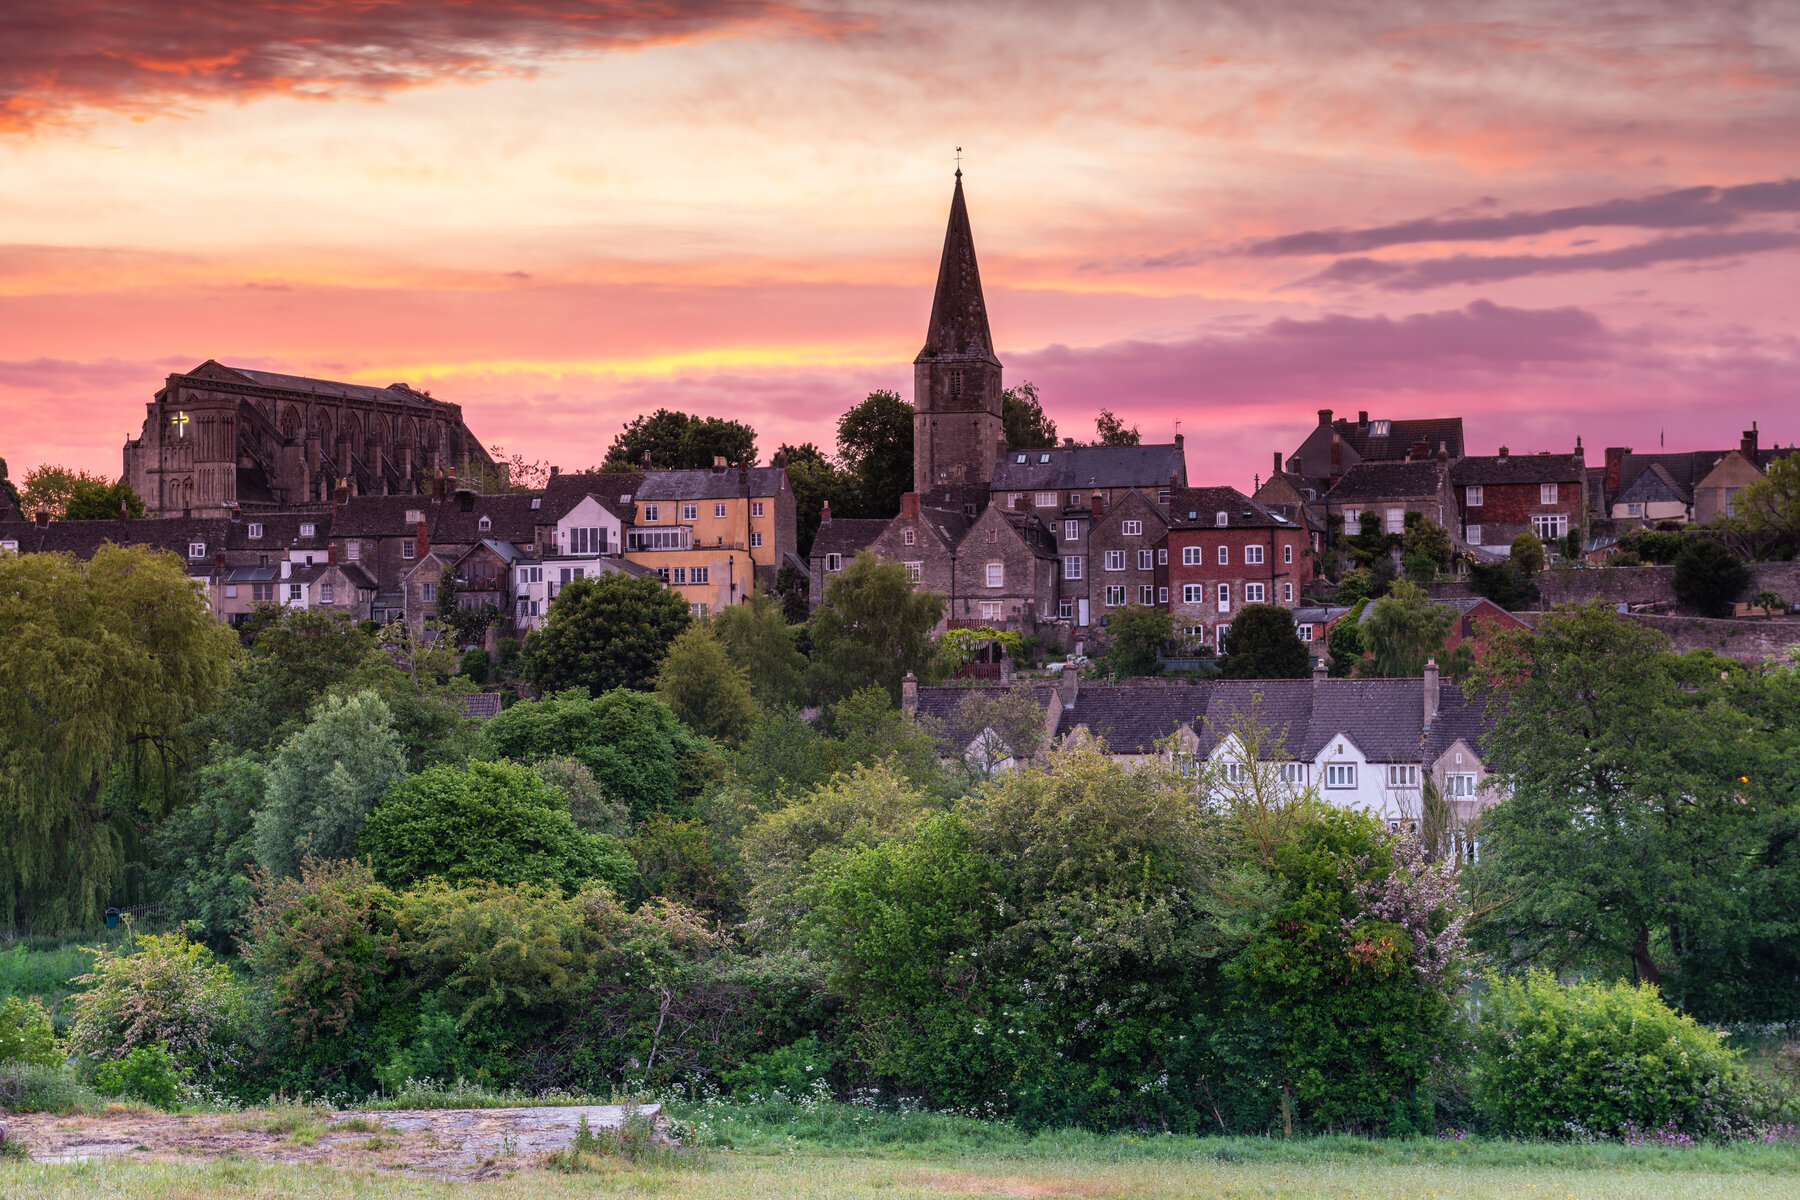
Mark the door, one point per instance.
(1081, 611)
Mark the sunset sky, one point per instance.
(1554, 219)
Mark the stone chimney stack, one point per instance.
(1324, 416)
(42, 519)
(1747, 443)
(909, 505)
(1615, 467)
(825, 513)
(1068, 685)
(423, 536)
(909, 693)
(1320, 670)
(1277, 454)
(1431, 690)
(1503, 454)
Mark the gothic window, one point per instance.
(956, 381)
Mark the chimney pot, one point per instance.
(1320, 671)
(1503, 454)
(1277, 462)
(1324, 416)
(43, 516)
(825, 513)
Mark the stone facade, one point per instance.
(1127, 557)
(220, 438)
(957, 430)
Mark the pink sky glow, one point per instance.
(1555, 220)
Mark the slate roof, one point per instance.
(1133, 718)
(83, 538)
(847, 535)
(1402, 435)
(1688, 467)
(393, 393)
(944, 704)
(356, 577)
(281, 532)
(1198, 508)
(1486, 469)
(563, 492)
(1089, 466)
(1655, 485)
(481, 706)
(382, 516)
(1387, 481)
(1459, 716)
(511, 515)
(708, 485)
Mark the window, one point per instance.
(662, 573)
(308, 529)
(1042, 459)
(1131, 528)
(1287, 593)
(1253, 593)
(1294, 773)
(324, 593)
(1352, 518)
(484, 524)
(914, 570)
(1303, 632)
(1396, 520)
(1193, 556)
(1045, 499)
(196, 549)
(1224, 597)
(690, 512)
(1014, 499)
(262, 593)
(1474, 537)
(659, 539)
(1731, 501)
(756, 508)
(531, 575)
(1072, 567)
(1287, 553)
(680, 575)
(699, 610)
(1065, 610)
(407, 547)
(1147, 594)
(1162, 595)
(908, 537)
(1472, 495)
(230, 588)
(414, 516)
(719, 509)
(537, 502)
(1115, 560)
(996, 575)
(1223, 633)
(1224, 556)
(1340, 775)
(1115, 596)
(1546, 493)
(699, 574)
(990, 610)
(1146, 560)
(1400, 775)
(755, 539)
(255, 530)
(834, 562)
(652, 512)
(1550, 525)
(428, 592)
(1253, 554)
(1459, 787)
(955, 383)
(1237, 772)
(1071, 531)
(353, 551)
(1162, 556)
(296, 591)
(1075, 499)
(1634, 510)
(1221, 519)
(1193, 593)
(587, 540)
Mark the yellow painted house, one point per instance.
(714, 536)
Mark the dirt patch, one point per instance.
(452, 1143)
(986, 1185)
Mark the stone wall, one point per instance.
(1637, 585)
(1749, 641)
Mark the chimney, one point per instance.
(1421, 450)
(1579, 452)
(1362, 420)
(825, 512)
(124, 512)
(1320, 670)
(339, 496)
(1324, 416)
(1747, 443)
(42, 520)
(909, 505)
(1615, 466)
(718, 464)
(909, 693)
(744, 477)
(646, 460)
(423, 536)
(1443, 454)
(1431, 690)
(1180, 442)
(1068, 685)
(1097, 505)
(555, 471)
(1503, 454)
(331, 554)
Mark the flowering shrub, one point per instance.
(170, 991)
(1595, 1060)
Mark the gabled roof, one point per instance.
(944, 705)
(510, 516)
(1066, 468)
(382, 516)
(1198, 508)
(958, 328)
(563, 492)
(847, 535)
(1495, 470)
(281, 531)
(83, 538)
(1401, 437)
(393, 393)
(1655, 485)
(664, 486)
(1387, 481)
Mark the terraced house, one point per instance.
(714, 536)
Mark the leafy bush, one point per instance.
(1708, 577)
(487, 821)
(26, 1034)
(170, 991)
(203, 852)
(476, 664)
(1596, 1059)
(796, 1070)
(149, 1073)
(32, 1089)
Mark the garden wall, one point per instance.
(1637, 585)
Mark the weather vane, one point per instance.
(959, 160)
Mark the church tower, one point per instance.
(957, 431)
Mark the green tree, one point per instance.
(1708, 577)
(1138, 637)
(203, 852)
(992, 727)
(1505, 584)
(606, 632)
(1770, 506)
(95, 502)
(875, 445)
(1263, 644)
(1403, 630)
(1022, 416)
(9, 491)
(51, 488)
(102, 665)
(872, 628)
(868, 727)
(677, 440)
(493, 821)
(1425, 538)
(1346, 643)
(296, 655)
(1113, 432)
(323, 782)
(816, 481)
(1527, 554)
(758, 640)
(701, 686)
(1649, 796)
(468, 623)
(635, 748)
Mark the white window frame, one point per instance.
(1472, 496)
(1474, 535)
(1340, 776)
(1549, 526)
(1287, 554)
(1253, 555)
(1115, 595)
(1253, 593)
(309, 530)
(1461, 785)
(756, 508)
(1633, 510)
(1287, 592)
(256, 530)
(1146, 560)
(1115, 560)
(1547, 493)
(1193, 556)
(1352, 519)
(196, 549)
(1044, 500)
(996, 574)
(1294, 773)
(1131, 528)
(1162, 556)
(1402, 775)
(1193, 593)
(1065, 610)
(834, 562)
(1224, 556)
(1304, 632)
(296, 592)
(1071, 531)
(1072, 567)
(990, 610)
(1146, 594)
(690, 512)
(914, 570)
(652, 512)
(908, 537)
(1394, 521)
(756, 539)
(408, 548)
(1162, 595)
(325, 593)
(353, 551)
(678, 575)
(718, 509)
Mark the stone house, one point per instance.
(1003, 573)
(1127, 560)
(1654, 496)
(838, 542)
(1499, 497)
(1715, 495)
(1224, 551)
(1333, 448)
(1390, 490)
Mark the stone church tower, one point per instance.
(957, 431)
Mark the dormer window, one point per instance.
(484, 524)
(309, 530)
(625, 498)
(256, 530)
(1221, 519)
(414, 516)
(196, 549)
(1380, 428)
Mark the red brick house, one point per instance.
(1225, 551)
(1498, 497)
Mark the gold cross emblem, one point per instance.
(180, 422)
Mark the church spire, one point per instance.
(959, 324)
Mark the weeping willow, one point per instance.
(102, 663)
